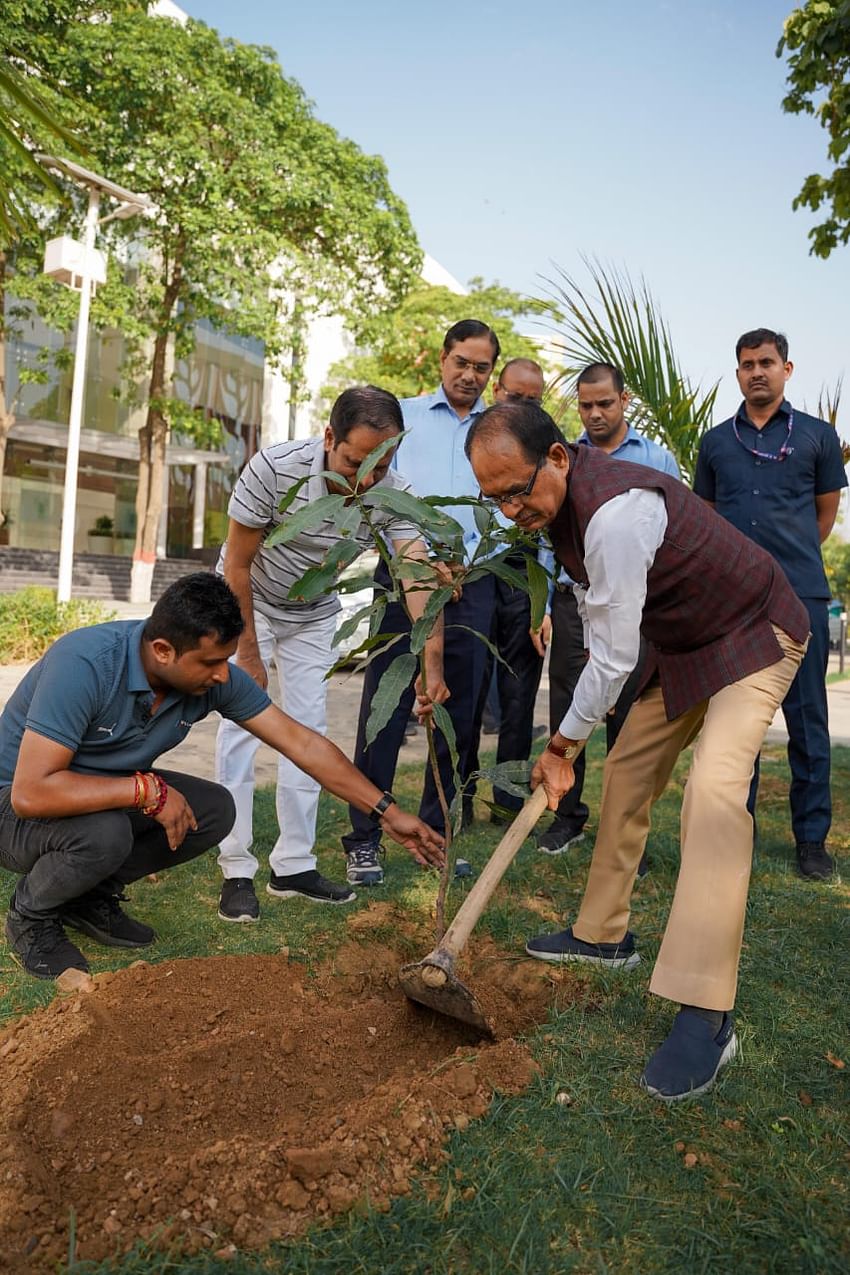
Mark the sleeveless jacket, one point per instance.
(712, 594)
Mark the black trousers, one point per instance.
(465, 661)
(566, 661)
(63, 859)
(517, 684)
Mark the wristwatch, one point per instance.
(565, 751)
(382, 805)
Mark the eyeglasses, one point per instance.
(784, 450)
(462, 364)
(513, 396)
(510, 496)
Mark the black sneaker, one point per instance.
(309, 885)
(558, 838)
(42, 947)
(101, 917)
(238, 901)
(565, 947)
(364, 866)
(814, 862)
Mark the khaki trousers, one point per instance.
(698, 960)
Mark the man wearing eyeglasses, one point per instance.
(432, 455)
(517, 680)
(776, 474)
(602, 400)
(726, 634)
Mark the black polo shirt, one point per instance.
(773, 501)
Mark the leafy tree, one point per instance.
(400, 348)
(257, 202)
(617, 321)
(836, 561)
(816, 37)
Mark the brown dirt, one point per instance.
(207, 1103)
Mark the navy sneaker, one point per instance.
(309, 885)
(364, 866)
(565, 947)
(687, 1064)
(238, 901)
(813, 861)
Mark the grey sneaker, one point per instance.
(238, 901)
(309, 885)
(564, 946)
(364, 867)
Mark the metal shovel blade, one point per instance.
(451, 997)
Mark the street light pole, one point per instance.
(75, 420)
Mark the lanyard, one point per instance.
(784, 450)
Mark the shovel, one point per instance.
(432, 981)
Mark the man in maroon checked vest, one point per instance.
(726, 635)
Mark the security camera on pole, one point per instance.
(82, 267)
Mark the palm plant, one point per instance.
(619, 322)
(829, 400)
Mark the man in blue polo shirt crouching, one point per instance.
(82, 812)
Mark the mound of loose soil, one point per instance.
(235, 1100)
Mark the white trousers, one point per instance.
(303, 654)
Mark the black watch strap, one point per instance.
(382, 806)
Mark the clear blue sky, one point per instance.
(649, 135)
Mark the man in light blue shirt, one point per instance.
(431, 456)
(602, 401)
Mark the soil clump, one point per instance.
(232, 1101)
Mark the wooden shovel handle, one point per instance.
(497, 865)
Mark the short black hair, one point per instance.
(598, 371)
(527, 365)
(365, 405)
(194, 607)
(467, 328)
(527, 422)
(762, 336)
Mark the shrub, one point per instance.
(32, 618)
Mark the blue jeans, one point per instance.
(64, 858)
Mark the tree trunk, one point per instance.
(7, 412)
(152, 440)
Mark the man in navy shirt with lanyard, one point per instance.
(776, 474)
(83, 813)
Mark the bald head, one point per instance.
(521, 380)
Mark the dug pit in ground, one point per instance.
(225, 1101)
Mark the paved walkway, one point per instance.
(196, 754)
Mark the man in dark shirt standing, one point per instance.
(776, 474)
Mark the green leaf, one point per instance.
(374, 645)
(351, 625)
(419, 512)
(511, 776)
(391, 687)
(348, 520)
(538, 589)
(421, 630)
(324, 579)
(444, 723)
(377, 453)
(496, 567)
(307, 519)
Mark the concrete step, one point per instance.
(95, 575)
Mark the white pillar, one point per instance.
(162, 529)
(199, 504)
(72, 461)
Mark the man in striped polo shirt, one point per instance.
(298, 635)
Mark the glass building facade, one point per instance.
(223, 378)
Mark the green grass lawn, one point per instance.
(751, 1178)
